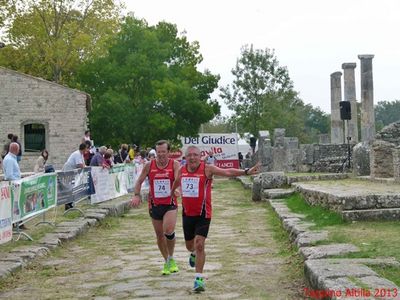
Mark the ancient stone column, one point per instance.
(337, 136)
(367, 99)
(350, 95)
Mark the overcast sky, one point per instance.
(312, 38)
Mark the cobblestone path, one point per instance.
(120, 259)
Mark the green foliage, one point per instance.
(322, 217)
(51, 38)
(263, 98)
(258, 79)
(147, 86)
(219, 124)
(386, 113)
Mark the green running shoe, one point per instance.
(199, 285)
(192, 260)
(165, 270)
(173, 268)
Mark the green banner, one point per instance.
(35, 195)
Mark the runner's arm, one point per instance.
(176, 175)
(231, 172)
(177, 181)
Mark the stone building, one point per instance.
(43, 114)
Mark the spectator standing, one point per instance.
(75, 161)
(122, 155)
(98, 159)
(41, 161)
(11, 169)
(14, 139)
(87, 137)
(87, 155)
(131, 152)
(152, 152)
(108, 162)
(240, 156)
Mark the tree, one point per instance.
(51, 38)
(148, 87)
(258, 80)
(263, 98)
(219, 124)
(386, 113)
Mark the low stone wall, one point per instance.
(329, 199)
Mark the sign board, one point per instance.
(223, 146)
(5, 213)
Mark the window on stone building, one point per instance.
(35, 137)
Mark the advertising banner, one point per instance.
(223, 146)
(130, 173)
(112, 183)
(5, 213)
(73, 185)
(33, 195)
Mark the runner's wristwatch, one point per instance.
(246, 171)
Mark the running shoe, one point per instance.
(199, 284)
(173, 268)
(165, 270)
(192, 260)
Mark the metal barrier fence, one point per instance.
(24, 199)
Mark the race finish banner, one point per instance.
(223, 146)
(33, 195)
(5, 213)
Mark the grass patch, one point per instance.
(390, 272)
(320, 216)
(280, 235)
(286, 249)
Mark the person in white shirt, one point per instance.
(75, 160)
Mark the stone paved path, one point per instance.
(120, 260)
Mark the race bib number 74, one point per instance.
(162, 188)
(190, 186)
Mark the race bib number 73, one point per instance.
(190, 186)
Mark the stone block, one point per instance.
(256, 191)
(361, 159)
(277, 193)
(381, 157)
(324, 251)
(272, 180)
(318, 271)
(308, 238)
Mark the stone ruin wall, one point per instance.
(385, 153)
(287, 155)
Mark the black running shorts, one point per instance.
(193, 226)
(158, 212)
